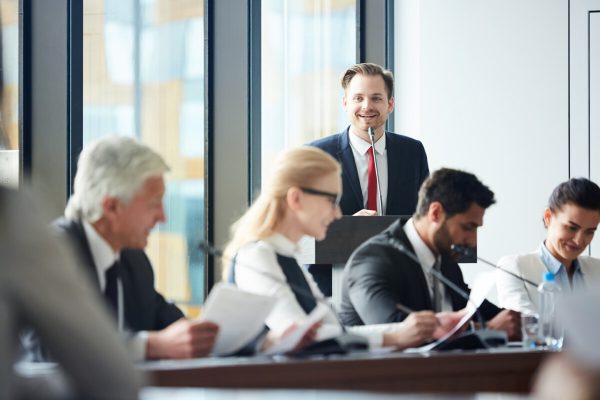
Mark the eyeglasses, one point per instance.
(334, 198)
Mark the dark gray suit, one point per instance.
(378, 276)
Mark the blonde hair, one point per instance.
(298, 167)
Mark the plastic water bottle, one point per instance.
(549, 331)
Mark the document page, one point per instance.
(479, 291)
(239, 314)
(289, 342)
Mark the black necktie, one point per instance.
(111, 290)
(298, 284)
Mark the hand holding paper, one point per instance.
(480, 289)
(239, 314)
(291, 341)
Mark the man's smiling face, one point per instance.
(367, 103)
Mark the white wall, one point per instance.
(484, 85)
(584, 122)
(595, 102)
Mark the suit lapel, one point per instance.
(420, 280)
(76, 231)
(394, 161)
(346, 157)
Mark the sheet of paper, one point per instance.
(239, 314)
(289, 342)
(481, 287)
(479, 291)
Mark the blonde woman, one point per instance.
(302, 198)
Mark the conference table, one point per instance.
(507, 370)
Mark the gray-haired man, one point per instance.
(117, 200)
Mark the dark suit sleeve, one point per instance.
(145, 308)
(166, 313)
(489, 310)
(424, 165)
(373, 285)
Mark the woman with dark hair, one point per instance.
(571, 219)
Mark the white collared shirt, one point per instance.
(102, 254)
(257, 271)
(426, 259)
(104, 257)
(361, 159)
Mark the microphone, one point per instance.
(477, 339)
(379, 198)
(342, 344)
(469, 252)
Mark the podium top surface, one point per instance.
(349, 232)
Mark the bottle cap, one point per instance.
(548, 277)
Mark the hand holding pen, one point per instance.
(445, 320)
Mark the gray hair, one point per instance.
(114, 166)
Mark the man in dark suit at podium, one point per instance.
(401, 161)
(379, 278)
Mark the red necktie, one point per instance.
(372, 186)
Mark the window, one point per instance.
(143, 77)
(306, 46)
(9, 123)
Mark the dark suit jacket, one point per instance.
(407, 169)
(377, 277)
(145, 309)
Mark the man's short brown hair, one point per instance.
(370, 69)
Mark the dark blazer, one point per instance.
(145, 309)
(407, 169)
(377, 277)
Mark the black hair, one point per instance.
(455, 190)
(580, 191)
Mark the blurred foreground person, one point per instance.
(574, 374)
(40, 286)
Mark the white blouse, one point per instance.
(257, 271)
(522, 297)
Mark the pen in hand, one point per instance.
(408, 310)
(404, 308)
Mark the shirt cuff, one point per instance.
(374, 333)
(136, 345)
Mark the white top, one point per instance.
(361, 159)
(104, 257)
(426, 259)
(102, 254)
(523, 297)
(257, 271)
